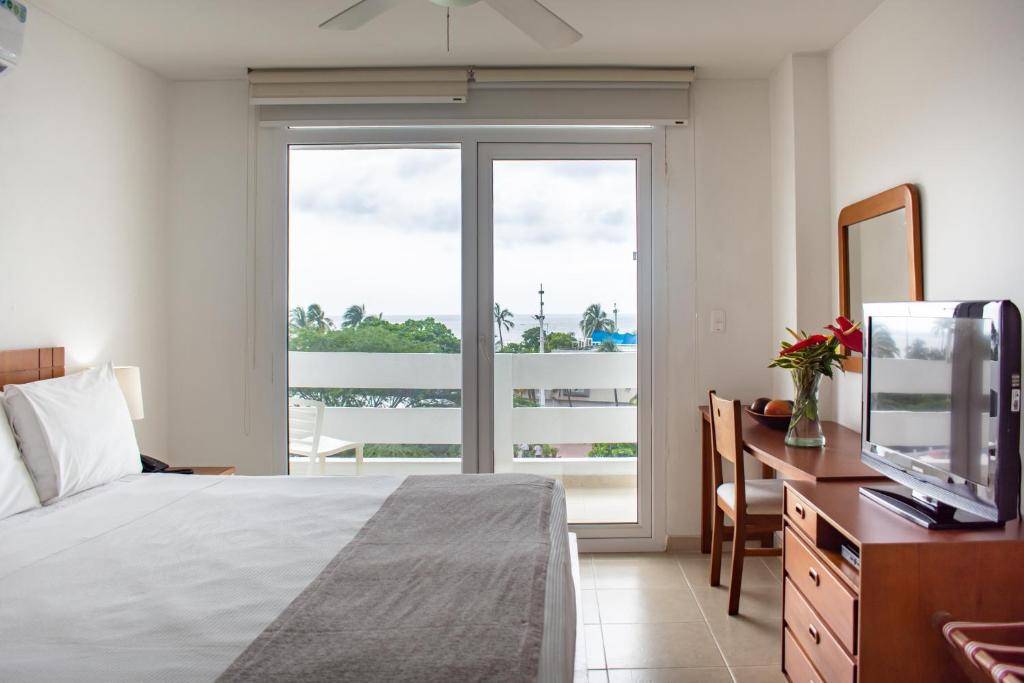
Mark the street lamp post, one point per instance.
(540, 320)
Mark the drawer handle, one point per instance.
(813, 573)
(814, 634)
(799, 509)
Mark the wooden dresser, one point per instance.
(877, 623)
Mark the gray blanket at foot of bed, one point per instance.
(445, 583)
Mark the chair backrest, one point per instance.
(727, 442)
(306, 421)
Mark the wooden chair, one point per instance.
(755, 507)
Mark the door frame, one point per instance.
(273, 141)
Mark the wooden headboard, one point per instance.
(29, 365)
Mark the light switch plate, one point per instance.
(717, 320)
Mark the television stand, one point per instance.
(873, 621)
(931, 516)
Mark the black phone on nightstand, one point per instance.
(152, 464)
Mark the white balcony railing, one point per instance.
(554, 425)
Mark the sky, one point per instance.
(382, 227)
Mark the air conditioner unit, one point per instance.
(12, 31)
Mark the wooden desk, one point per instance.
(880, 622)
(838, 460)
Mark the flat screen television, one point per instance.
(941, 410)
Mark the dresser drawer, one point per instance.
(802, 515)
(794, 662)
(821, 647)
(823, 590)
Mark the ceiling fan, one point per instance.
(530, 16)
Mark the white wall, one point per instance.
(216, 380)
(931, 92)
(84, 165)
(733, 256)
(798, 94)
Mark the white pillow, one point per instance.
(16, 491)
(75, 432)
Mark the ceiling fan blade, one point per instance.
(359, 14)
(537, 21)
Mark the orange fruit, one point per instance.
(778, 407)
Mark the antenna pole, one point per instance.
(540, 320)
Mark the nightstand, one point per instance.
(213, 471)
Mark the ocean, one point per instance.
(554, 322)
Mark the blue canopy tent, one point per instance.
(620, 338)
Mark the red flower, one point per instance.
(848, 334)
(813, 340)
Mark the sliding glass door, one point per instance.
(565, 227)
(535, 246)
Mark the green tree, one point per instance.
(503, 319)
(374, 335)
(553, 341)
(595, 320)
(317, 319)
(882, 343)
(612, 450)
(354, 315)
(534, 450)
(297, 318)
(920, 350)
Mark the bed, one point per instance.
(166, 577)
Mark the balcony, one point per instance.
(598, 489)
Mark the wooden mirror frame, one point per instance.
(900, 197)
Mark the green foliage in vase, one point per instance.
(808, 359)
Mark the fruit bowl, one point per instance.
(779, 422)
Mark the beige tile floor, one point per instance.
(653, 618)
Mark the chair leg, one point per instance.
(717, 539)
(739, 539)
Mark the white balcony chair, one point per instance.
(306, 439)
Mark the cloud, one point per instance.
(383, 227)
(330, 200)
(401, 190)
(410, 191)
(568, 202)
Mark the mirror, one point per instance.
(879, 254)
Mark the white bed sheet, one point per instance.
(170, 577)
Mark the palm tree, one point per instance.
(354, 315)
(503, 319)
(317, 319)
(595, 320)
(297, 318)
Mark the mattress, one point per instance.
(169, 578)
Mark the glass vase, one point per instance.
(805, 424)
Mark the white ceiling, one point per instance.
(215, 39)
